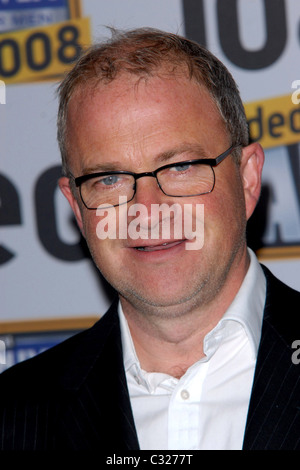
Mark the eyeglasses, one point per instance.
(181, 179)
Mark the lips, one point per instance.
(159, 247)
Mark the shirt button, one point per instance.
(185, 394)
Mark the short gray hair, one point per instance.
(144, 52)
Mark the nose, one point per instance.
(148, 191)
(148, 198)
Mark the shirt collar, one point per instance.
(131, 362)
(245, 310)
(129, 355)
(248, 305)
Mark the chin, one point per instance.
(163, 304)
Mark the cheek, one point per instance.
(106, 251)
(96, 246)
(89, 222)
(225, 214)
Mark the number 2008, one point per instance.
(67, 51)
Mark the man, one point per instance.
(196, 354)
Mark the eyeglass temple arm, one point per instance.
(221, 157)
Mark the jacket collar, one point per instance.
(91, 347)
(273, 415)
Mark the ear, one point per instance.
(64, 185)
(252, 162)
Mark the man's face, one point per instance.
(129, 125)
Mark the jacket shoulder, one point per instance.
(282, 307)
(49, 369)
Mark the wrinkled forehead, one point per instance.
(129, 106)
(128, 83)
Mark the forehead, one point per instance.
(161, 87)
(134, 115)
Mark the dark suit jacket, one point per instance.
(74, 396)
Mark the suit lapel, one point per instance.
(97, 411)
(274, 418)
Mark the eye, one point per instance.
(108, 180)
(183, 167)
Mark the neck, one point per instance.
(168, 346)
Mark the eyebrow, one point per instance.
(101, 167)
(183, 148)
(161, 158)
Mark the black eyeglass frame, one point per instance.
(212, 162)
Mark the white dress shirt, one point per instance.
(207, 407)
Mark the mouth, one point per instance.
(159, 247)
